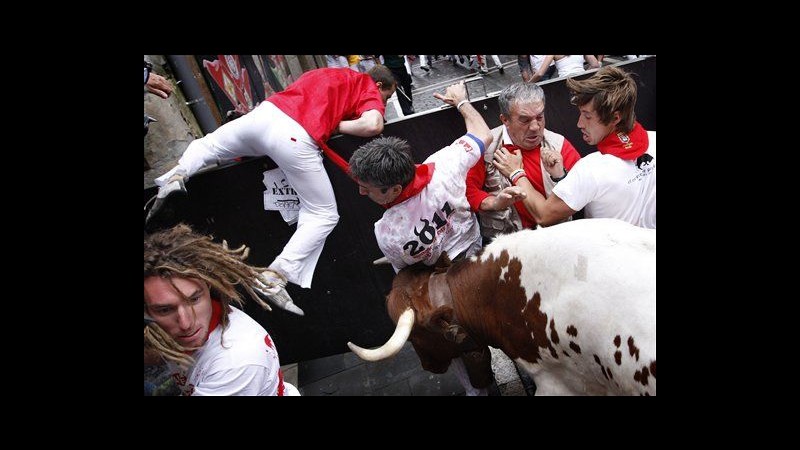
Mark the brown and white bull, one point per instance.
(573, 304)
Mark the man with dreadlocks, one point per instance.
(215, 348)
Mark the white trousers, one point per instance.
(336, 61)
(268, 131)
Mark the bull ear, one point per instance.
(396, 302)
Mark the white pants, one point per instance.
(365, 65)
(268, 131)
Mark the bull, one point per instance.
(574, 305)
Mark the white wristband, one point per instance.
(458, 107)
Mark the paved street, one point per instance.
(443, 74)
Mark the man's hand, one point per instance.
(511, 195)
(553, 163)
(159, 85)
(503, 199)
(507, 162)
(453, 94)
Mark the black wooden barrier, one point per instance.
(346, 300)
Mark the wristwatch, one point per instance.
(556, 180)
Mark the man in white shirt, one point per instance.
(211, 347)
(427, 212)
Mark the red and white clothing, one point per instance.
(432, 215)
(608, 183)
(242, 361)
(531, 163)
(290, 127)
(322, 98)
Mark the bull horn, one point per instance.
(393, 345)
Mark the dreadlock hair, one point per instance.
(612, 89)
(181, 252)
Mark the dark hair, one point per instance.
(383, 162)
(382, 74)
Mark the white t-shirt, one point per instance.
(243, 361)
(438, 218)
(570, 65)
(610, 187)
(536, 62)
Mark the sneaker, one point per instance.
(484, 71)
(425, 68)
(174, 184)
(501, 70)
(273, 286)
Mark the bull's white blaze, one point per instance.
(598, 275)
(393, 345)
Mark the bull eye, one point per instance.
(454, 333)
(450, 334)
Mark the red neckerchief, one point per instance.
(422, 177)
(335, 157)
(216, 315)
(625, 146)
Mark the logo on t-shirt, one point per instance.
(427, 234)
(625, 139)
(180, 380)
(465, 143)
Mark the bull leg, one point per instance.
(527, 381)
(479, 366)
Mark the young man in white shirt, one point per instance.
(427, 212)
(211, 347)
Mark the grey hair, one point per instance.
(519, 93)
(383, 162)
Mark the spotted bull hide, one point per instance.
(573, 304)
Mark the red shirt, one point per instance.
(322, 98)
(532, 165)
